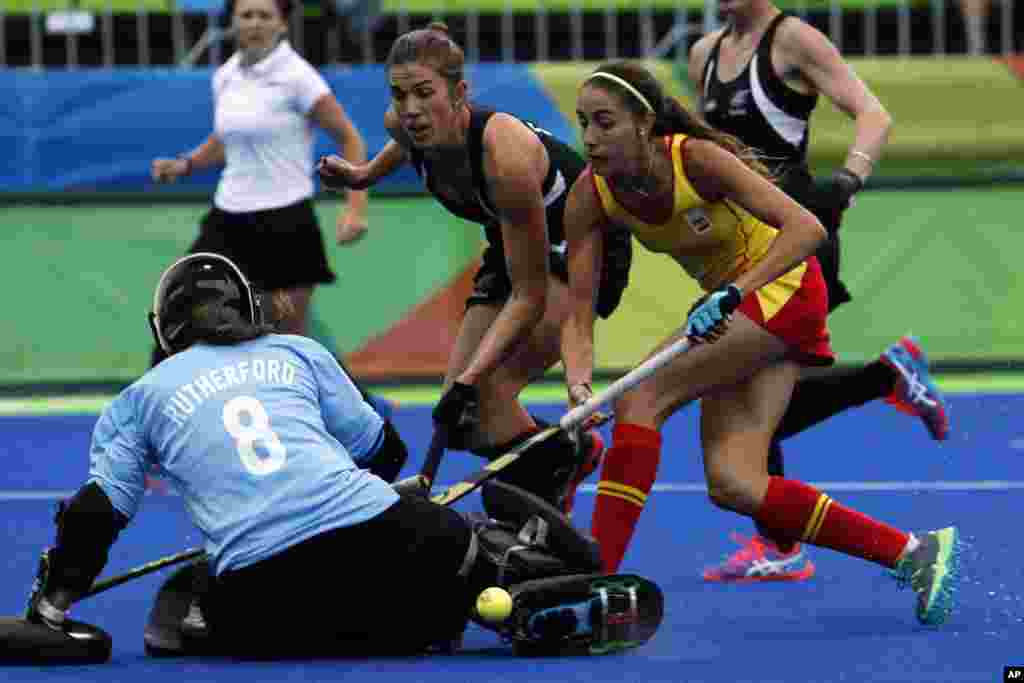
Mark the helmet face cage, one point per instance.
(222, 276)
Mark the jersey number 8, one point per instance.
(253, 429)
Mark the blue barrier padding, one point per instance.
(86, 130)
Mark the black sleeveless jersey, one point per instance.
(758, 107)
(565, 165)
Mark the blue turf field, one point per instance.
(849, 623)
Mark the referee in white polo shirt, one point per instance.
(267, 99)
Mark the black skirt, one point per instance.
(799, 184)
(276, 248)
(492, 284)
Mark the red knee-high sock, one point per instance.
(630, 468)
(795, 510)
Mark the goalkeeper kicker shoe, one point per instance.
(932, 571)
(584, 614)
(915, 392)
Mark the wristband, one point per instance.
(863, 155)
(188, 163)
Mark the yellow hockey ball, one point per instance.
(494, 605)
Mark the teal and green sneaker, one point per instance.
(932, 571)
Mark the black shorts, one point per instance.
(799, 184)
(387, 586)
(276, 249)
(492, 285)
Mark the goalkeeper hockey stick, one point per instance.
(148, 568)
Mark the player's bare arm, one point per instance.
(328, 113)
(206, 155)
(515, 164)
(584, 233)
(395, 130)
(804, 49)
(394, 154)
(717, 174)
(337, 173)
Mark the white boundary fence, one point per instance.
(188, 38)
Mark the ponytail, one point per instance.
(673, 117)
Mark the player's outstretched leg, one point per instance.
(932, 571)
(583, 614)
(761, 557)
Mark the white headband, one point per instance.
(625, 84)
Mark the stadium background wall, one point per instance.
(84, 227)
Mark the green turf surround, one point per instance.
(92, 271)
(940, 264)
(952, 116)
(444, 7)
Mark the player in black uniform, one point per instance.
(512, 178)
(759, 79)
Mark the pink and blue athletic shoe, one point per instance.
(759, 559)
(915, 392)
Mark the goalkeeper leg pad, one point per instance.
(584, 614)
(176, 626)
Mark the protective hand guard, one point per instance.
(707, 316)
(38, 610)
(843, 185)
(458, 414)
(46, 635)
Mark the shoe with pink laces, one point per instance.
(594, 455)
(759, 559)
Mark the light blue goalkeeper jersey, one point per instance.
(263, 439)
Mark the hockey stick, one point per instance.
(570, 420)
(432, 461)
(142, 570)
